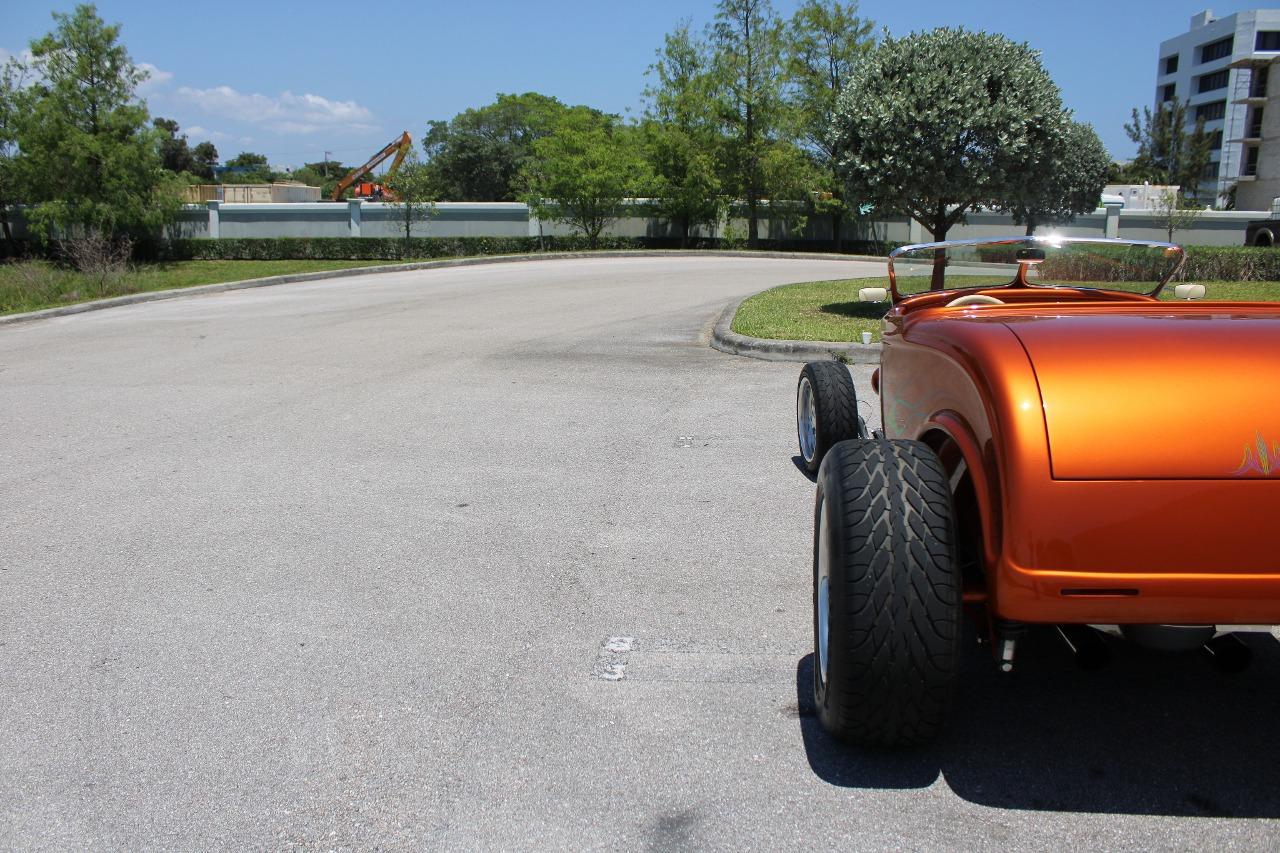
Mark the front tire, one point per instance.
(887, 593)
(826, 410)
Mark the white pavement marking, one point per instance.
(614, 655)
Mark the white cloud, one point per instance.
(286, 113)
(23, 56)
(156, 78)
(199, 134)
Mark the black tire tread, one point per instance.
(835, 404)
(895, 594)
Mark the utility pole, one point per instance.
(326, 164)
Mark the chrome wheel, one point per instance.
(806, 420)
(823, 591)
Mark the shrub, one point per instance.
(397, 248)
(372, 248)
(1232, 263)
(101, 261)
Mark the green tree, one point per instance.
(747, 40)
(1125, 173)
(1067, 183)
(204, 160)
(307, 175)
(582, 171)
(175, 155)
(685, 185)
(790, 173)
(89, 159)
(411, 194)
(1174, 212)
(247, 168)
(12, 108)
(822, 42)
(322, 173)
(936, 123)
(478, 155)
(680, 135)
(1167, 152)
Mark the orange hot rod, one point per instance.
(1060, 446)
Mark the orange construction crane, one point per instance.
(366, 189)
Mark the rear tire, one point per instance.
(826, 410)
(887, 593)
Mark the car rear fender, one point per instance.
(955, 442)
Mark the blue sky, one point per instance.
(291, 80)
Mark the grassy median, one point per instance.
(830, 310)
(32, 285)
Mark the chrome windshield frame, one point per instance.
(1035, 240)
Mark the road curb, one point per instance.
(269, 281)
(725, 339)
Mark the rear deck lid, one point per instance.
(1188, 393)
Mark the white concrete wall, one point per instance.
(451, 219)
(502, 219)
(1210, 228)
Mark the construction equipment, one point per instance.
(398, 147)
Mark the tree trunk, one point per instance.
(939, 231)
(837, 224)
(753, 226)
(684, 233)
(8, 231)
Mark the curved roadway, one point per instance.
(499, 557)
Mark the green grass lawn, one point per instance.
(830, 310)
(31, 285)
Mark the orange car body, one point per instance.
(1123, 452)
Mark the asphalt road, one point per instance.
(503, 557)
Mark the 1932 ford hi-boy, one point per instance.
(1059, 447)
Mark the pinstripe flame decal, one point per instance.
(1259, 459)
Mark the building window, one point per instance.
(1215, 141)
(1251, 161)
(1211, 111)
(1171, 62)
(1210, 171)
(1209, 82)
(1217, 50)
(1258, 85)
(1169, 92)
(1267, 40)
(1255, 123)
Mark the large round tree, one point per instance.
(937, 123)
(1069, 184)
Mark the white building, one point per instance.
(1136, 196)
(1210, 67)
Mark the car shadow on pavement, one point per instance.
(1151, 734)
(799, 463)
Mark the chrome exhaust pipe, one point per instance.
(1087, 645)
(1228, 653)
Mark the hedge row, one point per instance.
(373, 248)
(1204, 263)
(1232, 263)
(397, 248)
